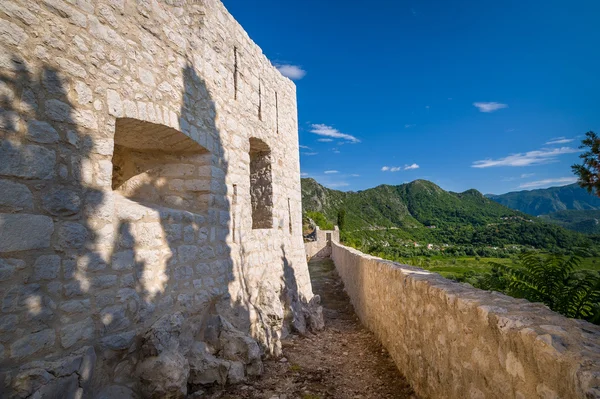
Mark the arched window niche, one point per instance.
(261, 184)
(157, 165)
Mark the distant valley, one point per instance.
(571, 207)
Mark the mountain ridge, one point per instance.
(422, 211)
(548, 200)
(570, 206)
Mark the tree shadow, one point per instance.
(55, 245)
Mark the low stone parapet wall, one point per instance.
(454, 341)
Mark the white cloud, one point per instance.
(303, 174)
(331, 172)
(325, 140)
(526, 175)
(548, 182)
(391, 169)
(489, 107)
(310, 154)
(328, 131)
(559, 140)
(538, 157)
(399, 168)
(305, 147)
(409, 125)
(355, 175)
(293, 72)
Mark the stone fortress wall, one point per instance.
(321, 246)
(150, 202)
(454, 341)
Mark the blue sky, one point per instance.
(492, 95)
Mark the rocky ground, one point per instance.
(344, 361)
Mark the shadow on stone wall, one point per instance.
(50, 255)
(76, 283)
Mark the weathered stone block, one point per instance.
(148, 235)
(57, 110)
(71, 236)
(42, 132)
(106, 281)
(123, 260)
(206, 369)
(184, 273)
(15, 197)
(8, 323)
(25, 232)
(62, 201)
(189, 234)
(80, 331)
(20, 13)
(164, 376)
(115, 107)
(100, 205)
(30, 381)
(27, 161)
(76, 288)
(173, 232)
(119, 341)
(187, 253)
(236, 373)
(75, 306)
(146, 77)
(6, 270)
(84, 93)
(114, 318)
(46, 267)
(68, 377)
(11, 33)
(32, 343)
(62, 9)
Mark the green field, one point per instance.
(460, 266)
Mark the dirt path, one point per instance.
(345, 361)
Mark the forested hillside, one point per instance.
(549, 200)
(571, 207)
(587, 221)
(421, 213)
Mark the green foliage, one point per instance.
(589, 172)
(320, 220)
(341, 219)
(551, 279)
(583, 221)
(396, 216)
